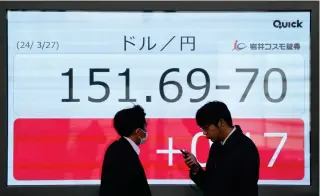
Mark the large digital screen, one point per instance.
(70, 72)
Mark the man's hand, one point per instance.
(191, 162)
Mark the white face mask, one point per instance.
(143, 140)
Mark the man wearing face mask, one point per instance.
(233, 164)
(122, 173)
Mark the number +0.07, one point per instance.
(163, 83)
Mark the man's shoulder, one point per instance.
(115, 145)
(247, 143)
(113, 151)
(118, 145)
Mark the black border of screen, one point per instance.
(148, 6)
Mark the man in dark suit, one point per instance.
(233, 165)
(122, 173)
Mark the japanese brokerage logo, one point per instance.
(238, 46)
(266, 46)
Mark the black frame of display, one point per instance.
(148, 6)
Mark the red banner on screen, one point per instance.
(73, 149)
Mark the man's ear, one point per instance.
(220, 123)
(137, 131)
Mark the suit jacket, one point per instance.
(122, 173)
(232, 169)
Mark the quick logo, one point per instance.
(287, 24)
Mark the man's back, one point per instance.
(122, 173)
(232, 169)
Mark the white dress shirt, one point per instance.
(134, 145)
(234, 128)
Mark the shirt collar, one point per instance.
(134, 145)
(234, 128)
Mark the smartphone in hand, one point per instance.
(184, 153)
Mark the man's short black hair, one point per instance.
(126, 121)
(212, 113)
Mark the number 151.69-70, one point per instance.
(162, 84)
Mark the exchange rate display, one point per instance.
(70, 72)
